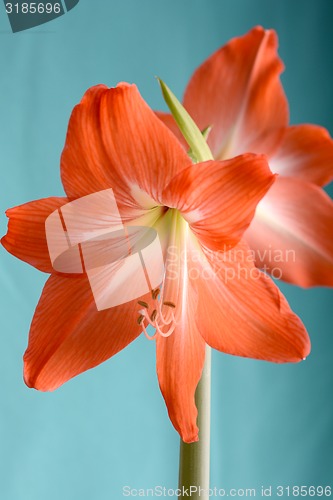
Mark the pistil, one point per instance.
(167, 301)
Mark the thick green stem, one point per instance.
(194, 460)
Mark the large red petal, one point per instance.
(238, 92)
(306, 152)
(292, 233)
(26, 237)
(69, 335)
(114, 140)
(240, 310)
(180, 359)
(219, 199)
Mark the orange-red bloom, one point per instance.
(238, 92)
(211, 292)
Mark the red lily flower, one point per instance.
(114, 140)
(237, 91)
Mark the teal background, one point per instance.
(271, 425)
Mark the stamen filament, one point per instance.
(168, 333)
(149, 337)
(161, 316)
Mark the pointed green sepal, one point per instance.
(205, 134)
(206, 131)
(199, 149)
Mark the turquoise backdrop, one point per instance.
(271, 425)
